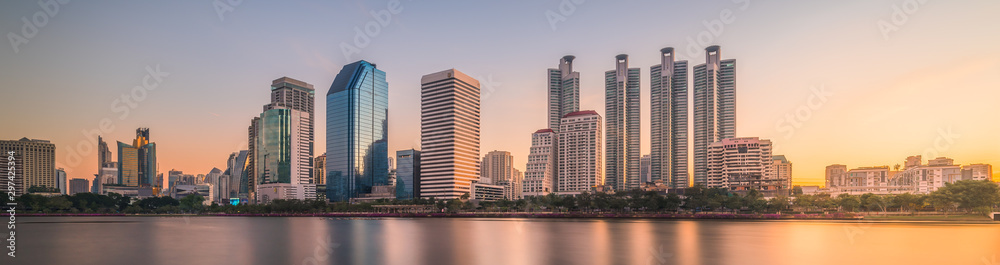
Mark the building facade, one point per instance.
(579, 158)
(714, 107)
(621, 103)
(78, 186)
(280, 139)
(564, 91)
(137, 161)
(669, 120)
(407, 174)
(743, 164)
(449, 134)
(782, 168)
(915, 178)
(319, 170)
(540, 171)
(35, 163)
(357, 132)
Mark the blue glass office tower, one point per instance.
(357, 108)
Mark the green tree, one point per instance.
(194, 202)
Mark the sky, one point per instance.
(854, 82)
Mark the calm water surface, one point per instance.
(308, 240)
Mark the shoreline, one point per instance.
(613, 216)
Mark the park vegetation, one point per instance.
(979, 197)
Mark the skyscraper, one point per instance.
(283, 148)
(137, 162)
(621, 103)
(236, 171)
(103, 155)
(669, 120)
(407, 174)
(579, 153)
(357, 109)
(540, 171)
(251, 169)
(449, 134)
(35, 163)
(564, 91)
(714, 107)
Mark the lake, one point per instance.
(315, 240)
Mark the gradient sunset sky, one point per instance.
(929, 86)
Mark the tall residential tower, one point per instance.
(714, 107)
(669, 120)
(621, 103)
(564, 91)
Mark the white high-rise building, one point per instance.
(669, 120)
(449, 134)
(714, 107)
(564, 91)
(580, 153)
(743, 164)
(621, 103)
(540, 171)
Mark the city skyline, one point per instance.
(828, 112)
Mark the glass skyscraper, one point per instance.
(357, 108)
(137, 162)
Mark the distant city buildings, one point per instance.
(621, 101)
(714, 108)
(61, 181)
(137, 161)
(357, 132)
(645, 167)
(540, 171)
(35, 164)
(284, 143)
(449, 134)
(78, 185)
(782, 168)
(579, 159)
(407, 174)
(497, 168)
(669, 120)
(914, 178)
(319, 170)
(236, 174)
